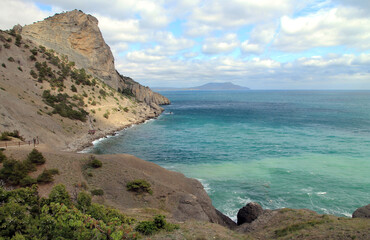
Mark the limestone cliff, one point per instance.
(77, 35)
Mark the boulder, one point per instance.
(249, 213)
(362, 212)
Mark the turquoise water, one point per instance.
(296, 149)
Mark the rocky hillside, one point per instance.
(77, 35)
(44, 94)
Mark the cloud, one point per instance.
(334, 27)
(14, 12)
(333, 71)
(224, 44)
(260, 36)
(218, 14)
(296, 44)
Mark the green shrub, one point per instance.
(36, 157)
(32, 58)
(73, 88)
(3, 65)
(83, 201)
(20, 69)
(2, 157)
(146, 228)
(34, 51)
(5, 136)
(11, 59)
(158, 223)
(139, 186)
(59, 194)
(18, 39)
(103, 93)
(13, 171)
(94, 162)
(97, 192)
(47, 176)
(24, 215)
(27, 181)
(7, 45)
(33, 74)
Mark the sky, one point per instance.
(261, 44)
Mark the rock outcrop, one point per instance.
(362, 212)
(249, 213)
(77, 35)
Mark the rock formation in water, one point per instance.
(362, 212)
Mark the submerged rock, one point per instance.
(249, 213)
(362, 212)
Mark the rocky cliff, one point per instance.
(77, 35)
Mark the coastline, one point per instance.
(85, 141)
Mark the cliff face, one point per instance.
(77, 36)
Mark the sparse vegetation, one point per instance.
(63, 106)
(32, 58)
(6, 45)
(97, 192)
(139, 186)
(94, 162)
(16, 172)
(298, 226)
(47, 176)
(2, 156)
(18, 39)
(159, 223)
(106, 114)
(73, 88)
(33, 74)
(5, 136)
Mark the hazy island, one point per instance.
(59, 91)
(213, 86)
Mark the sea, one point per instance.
(282, 149)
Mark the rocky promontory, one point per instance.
(78, 36)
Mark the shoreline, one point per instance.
(86, 141)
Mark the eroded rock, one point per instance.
(362, 212)
(249, 213)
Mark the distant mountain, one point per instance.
(220, 86)
(207, 87)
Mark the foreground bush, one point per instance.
(57, 218)
(139, 186)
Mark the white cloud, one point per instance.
(260, 36)
(14, 12)
(334, 27)
(218, 14)
(142, 57)
(328, 72)
(224, 44)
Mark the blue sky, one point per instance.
(264, 44)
